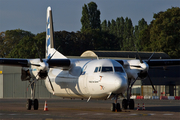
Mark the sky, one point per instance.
(30, 15)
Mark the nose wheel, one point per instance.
(115, 107)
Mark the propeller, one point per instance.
(151, 83)
(44, 71)
(146, 73)
(51, 84)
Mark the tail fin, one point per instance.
(50, 50)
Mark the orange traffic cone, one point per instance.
(143, 108)
(45, 107)
(138, 107)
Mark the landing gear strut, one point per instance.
(129, 102)
(115, 106)
(32, 102)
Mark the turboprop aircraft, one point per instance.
(83, 78)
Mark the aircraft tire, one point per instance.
(28, 104)
(131, 104)
(124, 104)
(118, 107)
(36, 104)
(113, 107)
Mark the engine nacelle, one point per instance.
(143, 75)
(25, 74)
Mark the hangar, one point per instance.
(166, 80)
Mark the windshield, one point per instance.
(107, 69)
(119, 69)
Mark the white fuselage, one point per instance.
(88, 78)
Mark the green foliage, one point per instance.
(142, 24)
(90, 17)
(26, 47)
(2, 50)
(163, 33)
(10, 39)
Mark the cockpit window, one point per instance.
(118, 69)
(96, 69)
(107, 69)
(99, 69)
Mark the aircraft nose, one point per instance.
(120, 84)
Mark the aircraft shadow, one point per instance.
(163, 108)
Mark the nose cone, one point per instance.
(120, 84)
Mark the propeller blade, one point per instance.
(150, 57)
(139, 57)
(38, 52)
(52, 55)
(132, 85)
(133, 82)
(151, 82)
(51, 84)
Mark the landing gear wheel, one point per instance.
(28, 104)
(113, 107)
(118, 107)
(124, 104)
(36, 104)
(131, 104)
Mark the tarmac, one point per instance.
(66, 109)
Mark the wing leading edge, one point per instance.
(64, 63)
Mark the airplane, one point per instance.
(83, 78)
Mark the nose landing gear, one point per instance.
(115, 106)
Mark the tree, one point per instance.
(90, 17)
(128, 42)
(26, 47)
(113, 29)
(120, 30)
(165, 32)
(104, 26)
(2, 50)
(85, 19)
(11, 38)
(142, 24)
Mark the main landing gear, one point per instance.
(32, 102)
(126, 103)
(129, 102)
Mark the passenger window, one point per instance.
(118, 69)
(107, 69)
(96, 69)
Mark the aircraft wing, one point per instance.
(157, 62)
(59, 63)
(14, 62)
(165, 62)
(26, 62)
